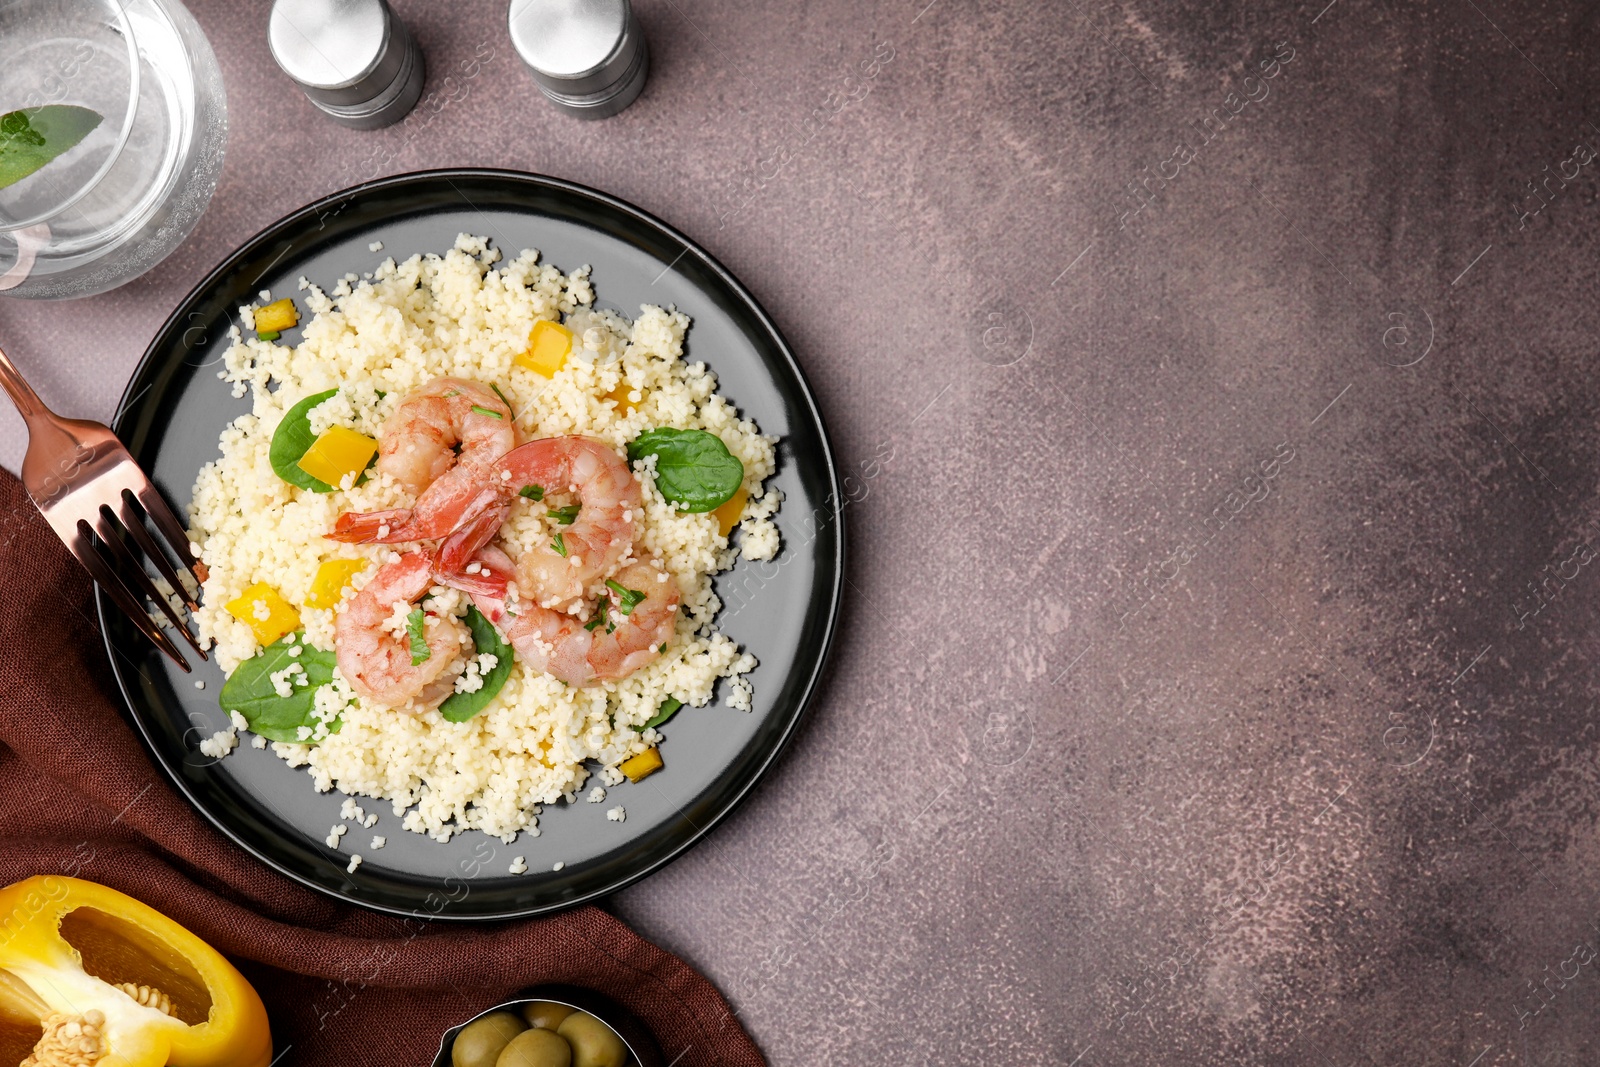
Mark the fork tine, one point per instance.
(110, 530)
(156, 507)
(83, 547)
(133, 522)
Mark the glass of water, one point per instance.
(141, 77)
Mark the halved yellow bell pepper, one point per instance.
(336, 452)
(267, 614)
(331, 580)
(90, 977)
(549, 344)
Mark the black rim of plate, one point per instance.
(303, 232)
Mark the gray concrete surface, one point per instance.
(1218, 677)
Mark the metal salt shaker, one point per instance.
(354, 59)
(588, 56)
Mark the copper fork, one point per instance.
(95, 497)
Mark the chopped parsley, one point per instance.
(560, 546)
(486, 411)
(532, 492)
(419, 644)
(565, 516)
(630, 598)
(601, 618)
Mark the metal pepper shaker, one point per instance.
(588, 56)
(354, 59)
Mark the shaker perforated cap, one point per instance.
(588, 56)
(353, 58)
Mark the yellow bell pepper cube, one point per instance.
(549, 344)
(337, 452)
(277, 316)
(331, 580)
(643, 765)
(625, 406)
(265, 612)
(90, 977)
(730, 510)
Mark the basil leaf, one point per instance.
(565, 516)
(420, 652)
(33, 136)
(459, 707)
(669, 707)
(250, 692)
(291, 440)
(694, 469)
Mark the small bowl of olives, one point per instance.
(551, 1026)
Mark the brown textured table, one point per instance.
(1217, 682)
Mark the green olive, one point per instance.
(536, 1048)
(480, 1041)
(545, 1014)
(594, 1044)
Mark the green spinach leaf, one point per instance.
(250, 692)
(694, 469)
(33, 136)
(669, 707)
(459, 707)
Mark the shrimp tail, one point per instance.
(488, 583)
(372, 527)
(463, 544)
(480, 587)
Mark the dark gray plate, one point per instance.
(175, 408)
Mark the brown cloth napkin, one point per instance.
(343, 986)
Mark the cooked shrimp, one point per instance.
(417, 448)
(417, 443)
(644, 613)
(377, 661)
(627, 631)
(610, 506)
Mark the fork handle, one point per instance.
(29, 406)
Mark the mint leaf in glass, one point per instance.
(33, 136)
